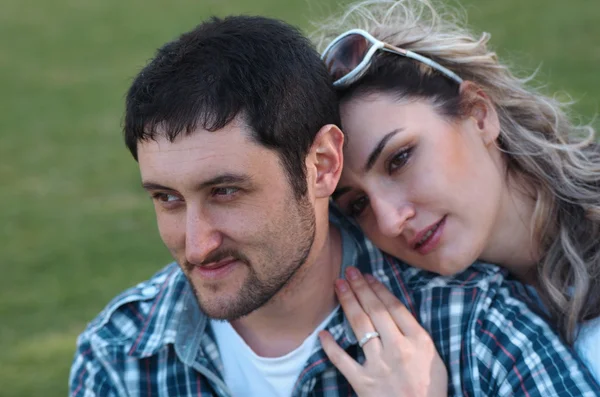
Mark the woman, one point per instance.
(451, 159)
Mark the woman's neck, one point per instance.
(511, 243)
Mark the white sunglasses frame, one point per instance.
(363, 66)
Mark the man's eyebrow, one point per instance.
(154, 186)
(217, 180)
(340, 192)
(225, 179)
(379, 148)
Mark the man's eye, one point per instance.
(225, 191)
(357, 206)
(165, 197)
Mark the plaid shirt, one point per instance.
(153, 340)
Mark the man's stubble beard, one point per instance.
(256, 292)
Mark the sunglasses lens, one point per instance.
(345, 55)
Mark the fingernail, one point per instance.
(370, 279)
(352, 273)
(341, 285)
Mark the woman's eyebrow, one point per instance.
(379, 148)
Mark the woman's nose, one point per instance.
(392, 217)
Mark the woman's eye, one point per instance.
(357, 206)
(399, 160)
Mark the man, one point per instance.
(234, 128)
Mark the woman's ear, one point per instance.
(326, 158)
(478, 107)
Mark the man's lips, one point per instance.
(216, 270)
(216, 265)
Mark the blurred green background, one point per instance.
(76, 228)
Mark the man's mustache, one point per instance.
(219, 255)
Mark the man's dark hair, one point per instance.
(261, 69)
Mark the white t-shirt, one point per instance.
(247, 374)
(587, 346)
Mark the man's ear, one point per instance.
(480, 110)
(326, 159)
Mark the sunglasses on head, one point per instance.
(349, 55)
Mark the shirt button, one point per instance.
(149, 291)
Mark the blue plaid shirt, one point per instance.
(153, 340)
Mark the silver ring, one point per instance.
(368, 336)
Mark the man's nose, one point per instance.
(201, 238)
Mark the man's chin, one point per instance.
(225, 310)
(232, 305)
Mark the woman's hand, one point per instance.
(402, 360)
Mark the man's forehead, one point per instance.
(181, 152)
(234, 136)
(202, 155)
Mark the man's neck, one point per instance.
(291, 316)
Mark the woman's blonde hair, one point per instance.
(556, 160)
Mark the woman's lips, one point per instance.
(428, 239)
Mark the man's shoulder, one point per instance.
(146, 308)
(137, 336)
(479, 279)
(482, 296)
(480, 275)
(483, 290)
(488, 322)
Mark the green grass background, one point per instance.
(75, 227)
